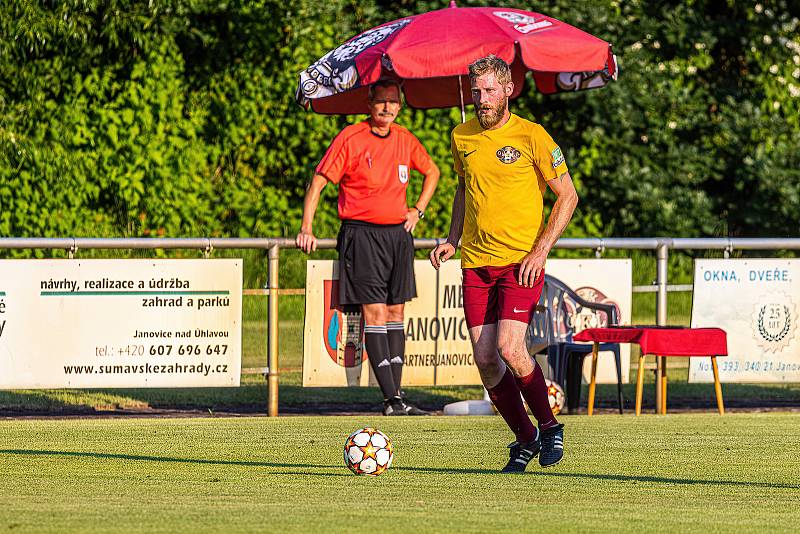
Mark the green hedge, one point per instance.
(177, 118)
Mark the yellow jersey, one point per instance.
(505, 172)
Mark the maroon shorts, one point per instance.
(493, 293)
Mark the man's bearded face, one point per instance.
(491, 100)
(490, 114)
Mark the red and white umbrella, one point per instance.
(430, 53)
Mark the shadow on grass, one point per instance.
(664, 480)
(165, 459)
(618, 478)
(431, 470)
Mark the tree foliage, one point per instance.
(177, 117)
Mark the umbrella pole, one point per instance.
(461, 97)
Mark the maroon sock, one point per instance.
(534, 390)
(505, 396)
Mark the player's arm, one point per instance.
(560, 215)
(305, 239)
(446, 250)
(429, 183)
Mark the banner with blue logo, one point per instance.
(755, 302)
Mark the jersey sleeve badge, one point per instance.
(558, 157)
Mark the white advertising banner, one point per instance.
(120, 323)
(755, 302)
(438, 348)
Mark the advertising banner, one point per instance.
(438, 348)
(120, 323)
(755, 302)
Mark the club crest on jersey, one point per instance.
(508, 154)
(558, 157)
(402, 173)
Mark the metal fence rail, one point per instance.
(661, 246)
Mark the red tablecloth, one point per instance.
(663, 341)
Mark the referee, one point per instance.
(371, 162)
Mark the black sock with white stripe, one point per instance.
(377, 344)
(397, 350)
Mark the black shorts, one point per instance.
(376, 264)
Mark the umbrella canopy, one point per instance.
(430, 53)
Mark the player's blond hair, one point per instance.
(493, 64)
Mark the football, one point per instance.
(555, 395)
(368, 451)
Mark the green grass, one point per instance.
(291, 312)
(679, 308)
(699, 473)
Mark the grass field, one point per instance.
(685, 472)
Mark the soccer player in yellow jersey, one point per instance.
(504, 163)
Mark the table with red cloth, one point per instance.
(661, 342)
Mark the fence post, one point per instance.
(662, 254)
(272, 332)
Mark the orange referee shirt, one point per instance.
(372, 172)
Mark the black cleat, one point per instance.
(410, 408)
(552, 446)
(520, 456)
(395, 406)
(413, 410)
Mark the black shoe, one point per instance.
(413, 410)
(552, 446)
(395, 406)
(410, 408)
(520, 456)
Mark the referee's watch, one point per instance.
(420, 213)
